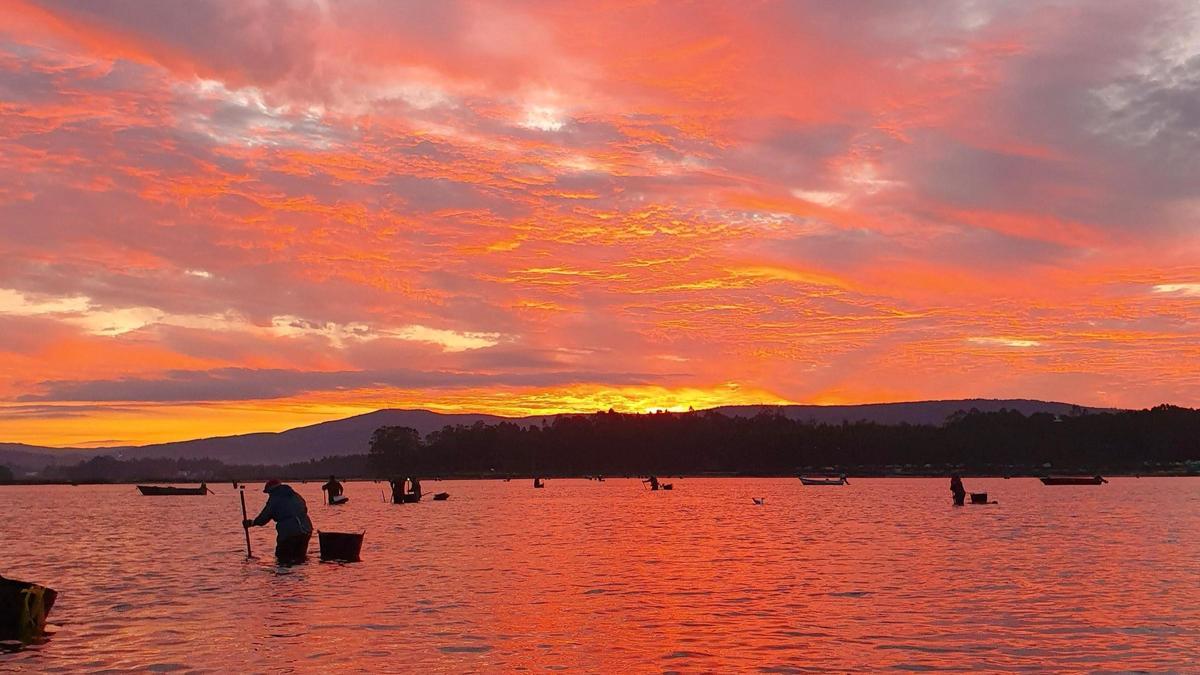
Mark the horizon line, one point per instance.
(86, 447)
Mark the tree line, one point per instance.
(614, 444)
(106, 469)
(772, 444)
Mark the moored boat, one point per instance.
(24, 607)
(167, 491)
(840, 480)
(1073, 480)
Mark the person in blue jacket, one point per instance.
(293, 529)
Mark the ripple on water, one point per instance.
(880, 575)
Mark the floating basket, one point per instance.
(341, 546)
(979, 498)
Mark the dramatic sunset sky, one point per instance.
(218, 217)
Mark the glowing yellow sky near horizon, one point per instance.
(138, 424)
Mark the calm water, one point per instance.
(585, 576)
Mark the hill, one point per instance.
(351, 435)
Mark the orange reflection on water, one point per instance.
(590, 576)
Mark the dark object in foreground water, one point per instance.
(441, 496)
(341, 546)
(156, 491)
(979, 498)
(1073, 480)
(24, 607)
(668, 486)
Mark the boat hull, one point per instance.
(823, 481)
(157, 491)
(24, 607)
(1072, 480)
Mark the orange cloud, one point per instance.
(519, 209)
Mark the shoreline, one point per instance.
(850, 475)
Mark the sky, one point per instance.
(221, 217)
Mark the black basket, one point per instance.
(341, 546)
(979, 498)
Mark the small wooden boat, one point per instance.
(1073, 480)
(840, 480)
(24, 607)
(341, 546)
(159, 491)
(441, 496)
(668, 486)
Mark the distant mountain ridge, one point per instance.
(351, 436)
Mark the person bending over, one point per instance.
(293, 529)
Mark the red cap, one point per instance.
(270, 484)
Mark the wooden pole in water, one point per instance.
(242, 494)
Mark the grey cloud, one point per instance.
(65, 411)
(244, 384)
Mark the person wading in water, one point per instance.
(333, 490)
(293, 529)
(957, 489)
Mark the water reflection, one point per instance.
(583, 575)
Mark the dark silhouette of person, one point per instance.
(957, 489)
(653, 481)
(537, 482)
(397, 490)
(333, 489)
(293, 529)
(414, 487)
